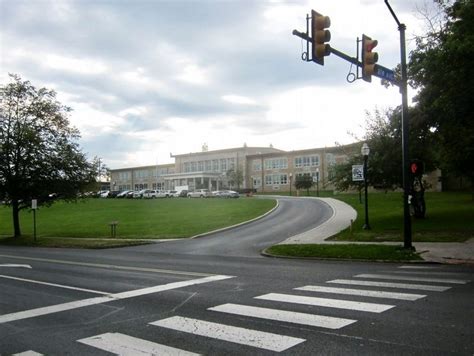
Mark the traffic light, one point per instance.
(369, 58)
(417, 168)
(320, 35)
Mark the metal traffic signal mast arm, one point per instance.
(379, 71)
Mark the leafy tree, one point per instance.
(383, 135)
(304, 181)
(38, 152)
(235, 177)
(441, 68)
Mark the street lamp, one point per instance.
(291, 178)
(365, 150)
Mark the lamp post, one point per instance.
(291, 179)
(365, 150)
(317, 182)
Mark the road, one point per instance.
(217, 295)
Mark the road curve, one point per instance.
(292, 217)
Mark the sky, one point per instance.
(148, 78)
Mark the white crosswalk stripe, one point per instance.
(424, 287)
(326, 302)
(242, 336)
(125, 345)
(363, 292)
(28, 353)
(418, 267)
(416, 279)
(283, 315)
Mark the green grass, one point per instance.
(157, 218)
(449, 218)
(350, 251)
(71, 242)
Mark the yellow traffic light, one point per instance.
(369, 58)
(320, 35)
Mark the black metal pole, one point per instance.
(407, 238)
(366, 225)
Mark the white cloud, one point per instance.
(146, 78)
(238, 99)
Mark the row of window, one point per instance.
(215, 165)
(280, 179)
(143, 173)
(282, 163)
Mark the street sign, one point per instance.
(358, 173)
(34, 204)
(384, 73)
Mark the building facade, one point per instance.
(264, 169)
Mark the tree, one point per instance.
(441, 69)
(235, 177)
(383, 135)
(304, 181)
(38, 151)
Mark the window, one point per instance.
(276, 179)
(208, 165)
(276, 163)
(306, 161)
(215, 165)
(257, 182)
(223, 165)
(124, 175)
(200, 166)
(141, 174)
(331, 159)
(256, 165)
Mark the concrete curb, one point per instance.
(341, 219)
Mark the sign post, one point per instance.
(34, 206)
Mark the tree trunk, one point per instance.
(16, 218)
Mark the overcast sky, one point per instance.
(147, 78)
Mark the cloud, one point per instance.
(146, 78)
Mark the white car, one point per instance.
(139, 194)
(200, 193)
(226, 194)
(150, 194)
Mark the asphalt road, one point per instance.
(216, 295)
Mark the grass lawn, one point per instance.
(449, 218)
(137, 218)
(349, 251)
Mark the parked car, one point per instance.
(138, 194)
(150, 194)
(123, 194)
(226, 194)
(200, 193)
(178, 193)
(130, 194)
(113, 194)
(104, 194)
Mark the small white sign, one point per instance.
(34, 204)
(358, 173)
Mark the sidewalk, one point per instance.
(443, 252)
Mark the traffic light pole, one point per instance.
(380, 71)
(407, 233)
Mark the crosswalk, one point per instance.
(404, 284)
